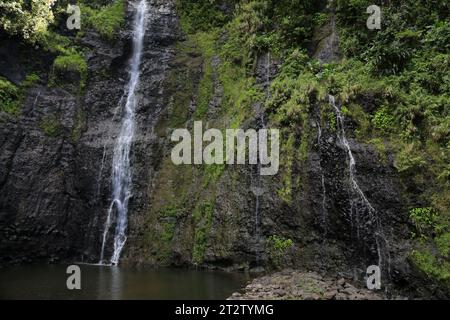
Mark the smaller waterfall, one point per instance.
(258, 192)
(36, 100)
(121, 166)
(343, 139)
(324, 190)
(258, 189)
(371, 217)
(100, 173)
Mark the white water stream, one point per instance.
(121, 166)
(361, 197)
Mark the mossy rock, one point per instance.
(70, 70)
(51, 126)
(107, 20)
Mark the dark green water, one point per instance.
(49, 282)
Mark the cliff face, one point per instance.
(55, 186)
(194, 215)
(44, 208)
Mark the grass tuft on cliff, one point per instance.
(106, 20)
(9, 97)
(73, 64)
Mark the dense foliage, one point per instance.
(26, 18)
(106, 20)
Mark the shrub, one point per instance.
(443, 244)
(200, 15)
(383, 120)
(432, 266)
(379, 145)
(56, 43)
(9, 97)
(168, 231)
(213, 172)
(425, 220)
(437, 37)
(296, 62)
(30, 80)
(277, 248)
(408, 160)
(321, 18)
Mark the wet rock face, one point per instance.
(326, 42)
(10, 66)
(375, 236)
(38, 179)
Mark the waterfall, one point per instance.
(36, 100)
(260, 192)
(105, 150)
(360, 196)
(324, 190)
(121, 168)
(343, 139)
(257, 186)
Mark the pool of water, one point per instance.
(99, 282)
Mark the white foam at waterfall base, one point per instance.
(121, 166)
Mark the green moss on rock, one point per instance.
(434, 267)
(11, 96)
(51, 126)
(70, 68)
(106, 20)
(203, 216)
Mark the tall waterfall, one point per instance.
(121, 168)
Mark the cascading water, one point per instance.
(105, 150)
(36, 100)
(324, 190)
(360, 199)
(121, 168)
(343, 139)
(258, 189)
